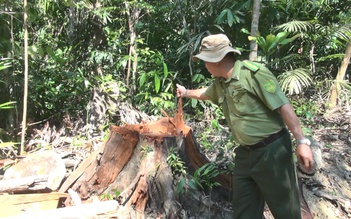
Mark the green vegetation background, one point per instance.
(143, 48)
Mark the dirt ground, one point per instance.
(328, 191)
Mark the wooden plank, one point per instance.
(16, 204)
(25, 184)
(91, 210)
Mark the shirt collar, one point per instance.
(235, 73)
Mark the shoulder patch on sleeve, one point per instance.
(270, 86)
(251, 66)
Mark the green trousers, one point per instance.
(266, 174)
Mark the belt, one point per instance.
(266, 141)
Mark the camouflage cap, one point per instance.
(214, 47)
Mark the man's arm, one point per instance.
(303, 151)
(196, 93)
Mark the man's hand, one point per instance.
(198, 94)
(181, 91)
(305, 158)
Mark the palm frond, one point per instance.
(328, 2)
(5, 63)
(337, 56)
(294, 81)
(7, 105)
(343, 33)
(295, 26)
(344, 84)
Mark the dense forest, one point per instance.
(79, 65)
(136, 51)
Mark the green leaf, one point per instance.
(157, 83)
(219, 27)
(192, 184)
(280, 37)
(117, 193)
(230, 18)
(309, 115)
(50, 52)
(291, 39)
(7, 105)
(215, 124)
(245, 31)
(262, 43)
(142, 79)
(194, 102)
(165, 69)
(250, 38)
(181, 184)
(237, 19)
(330, 57)
(198, 78)
(199, 184)
(221, 17)
(5, 63)
(270, 39)
(197, 173)
(207, 170)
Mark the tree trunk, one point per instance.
(133, 18)
(340, 77)
(25, 95)
(254, 29)
(8, 117)
(132, 168)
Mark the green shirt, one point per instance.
(249, 101)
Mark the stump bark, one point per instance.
(131, 166)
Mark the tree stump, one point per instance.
(132, 166)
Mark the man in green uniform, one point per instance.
(257, 112)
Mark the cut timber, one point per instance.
(132, 165)
(104, 209)
(25, 184)
(38, 164)
(19, 203)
